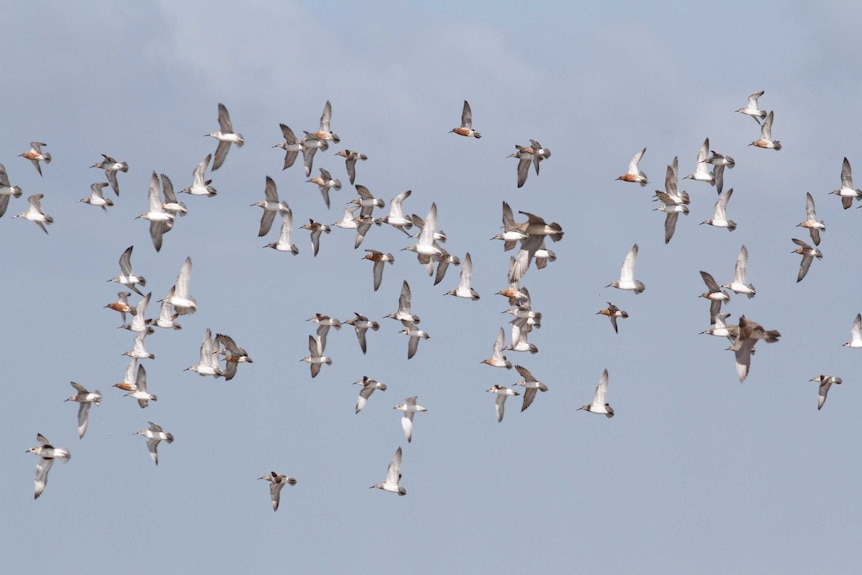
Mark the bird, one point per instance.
(855, 333)
(139, 323)
(310, 146)
(181, 300)
(276, 482)
(634, 173)
(612, 312)
(233, 355)
(701, 171)
(139, 351)
(502, 393)
(171, 204)
(748, 334)
(167, 315)
(540, 153)
(738, 285)
(225, 137)
(672, 209)
(497, 358)
(325, 182)
(111, 167)
(47, 454)
(380, 259)
(627, 281)
(536, 230)
(350, 159)
(466, 127)
(443, 264)
(271, 206)
(127, 277)
(393, 476)
(122, 304)
(85, 399)
(137, 389)
(531, 385)
(407, 409)
(366, 199)
(599, 404)
(154, 435)
(511, 234)
(201, 186)
(316, 358)
(324, 133)
(751, 108)
(361, 324)
(526, 156)
(368, 387)
(714, 294)
(324, 322)
(291, 146)
(719, 218)
(7, 190)
(284, 243)
(208, 363)
(414, 333)
(847, 192)
(316, 228)
(808, 254)
(35, 214)
(825, 382)
(426, 248)
(396, 217)
(160, 220)
(96, 197)
(519, 337)
(811, 223)
(403, 312)
(766, 141)
(464, 289)
(35, 153)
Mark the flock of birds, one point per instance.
(220, 356)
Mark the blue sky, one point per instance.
(696, 473)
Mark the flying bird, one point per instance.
(466, 127)
(276, 482)
(225, 137)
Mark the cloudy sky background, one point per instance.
(696, 473)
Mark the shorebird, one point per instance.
(225, 137)
(855, 333)
(366, 199)
(122, 304)
(201, 186)
(536, 230)
(466, 127)
(181, 300)
(808, 254)
(171, 204)
(96, 197)
(519, 337)
(497, 358)
(715, 295)
(539, 153)
(766, 140)
(396, 217)
(426, 248)
(276, 482)
(324, 322)
(627, 281)
(599, 404)
(160, 220)
(368, 387)
(139, 323)
(316, 228)
(414, 333)
(701, 172)
(751, 108)
(672, 209)
(284, 243)
(748, 334)
(407, 409)
(325, 182)
(464, 289)
(291, 146)
(811, 223)
(324, 133)
(139, 389)
(167, 315)
(35, 214)
(380, 259)
(443, 264)
(403, 312)
(315, 358)
(208, 363)
(530, 385)
(233, 355)
(139, 351)
(717, 160)
(634, 173)
(721, 329)
(825, 382)
(612, 312)
(6, 190)
(362, 324)
(154, 435)
(719, 218)
(526, 156)
(309, 148)
(513, 290)
(47, 454)
(393, 476)
(511, 234)
(85, 399)
(129, 382)
(271, 205)
(35, 153)
(738, 285)
(847, 192)
(111, 167)
(500, 403)
(350, 159)
(127, 277)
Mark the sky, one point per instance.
(697, 472)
